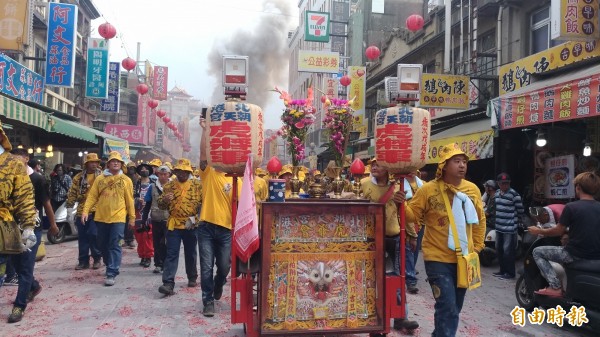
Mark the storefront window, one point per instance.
(540, 31)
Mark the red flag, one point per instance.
(245, 233)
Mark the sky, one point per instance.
(190, 36)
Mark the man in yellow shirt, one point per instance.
(379, 188)
(183, 198)
(214, 232)
(87, 232)
(112, 195)
(427, 207)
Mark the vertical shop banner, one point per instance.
(111, 103)
(516, 75)
(560, 172)
(160, 82)
(15, 25)
(60, 60)
(331, 87)
(574, 20)
(444, 91)
(143, 110)
(356, 92)
(20, 82)
(121, 146)
(130, 133)
(96, 77)
(317, 27)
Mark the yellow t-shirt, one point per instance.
(113, 197)
(216, 194)
(374, 192)
(427, 207)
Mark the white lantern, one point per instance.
(402, 138)
(235, 129)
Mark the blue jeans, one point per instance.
(174, 239)
(506, 245)
(411, 273)
(214, 243)
(87, 239)
(24, 264)
(544, 254)
(448, 297)
(109, 236)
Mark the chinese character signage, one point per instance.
(560, 174)
(402, 138)
(235, 130)
(111, 103)
(564, 101)
(318, 61)
(317, 27)
(60, 60)
(478, 145)
(356, 92)
(444, 91)
(516, 75)
(331, 87)
(96, 77)
(20, 82)
(143, 110)
(575, 20)
(160, 82)
(130, 133)
(15, 23)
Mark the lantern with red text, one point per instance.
(235, 129)
(402, 138)
(107, 31)
(152, 103)
(161, 113)
(166, 119)
(141, 88)
(414, 22)
(128, 63)
(372, 53)
(345, 80)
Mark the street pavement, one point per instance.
(76, 303)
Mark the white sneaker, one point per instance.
(109, 281)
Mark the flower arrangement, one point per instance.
(297, 117)
(338, 124)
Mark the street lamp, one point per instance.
(99, 124)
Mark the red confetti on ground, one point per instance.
(77, 318)
(125, 311)
(105, 326)
(149, 330)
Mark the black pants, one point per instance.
(159, 231)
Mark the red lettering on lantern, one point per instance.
(230, 142)
(394, 142)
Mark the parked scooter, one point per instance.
(489, 254)
(66, 230)
(580, 279)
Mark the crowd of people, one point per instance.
(157, 206)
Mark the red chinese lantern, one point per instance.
(372, 53)
(161, 113)
(323, 99)
(152, 103)
(128, 63)
(405, 128)
(107, 31)
(357, 167)
(171, 125)
(274, 165)
(414, 22)
(141, 88)
(166, 119)
(345, 80)
(234, 120)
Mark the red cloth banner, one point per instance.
(130, 133)
(160, 82)
(245, 232)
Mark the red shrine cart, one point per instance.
(320, 270)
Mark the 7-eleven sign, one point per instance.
(317, 27)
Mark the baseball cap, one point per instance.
(503, 177)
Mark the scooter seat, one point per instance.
(592, 266)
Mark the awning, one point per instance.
(475, 138)
(73, 130)
(18, 111)
(558, 98)
(78, 131)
